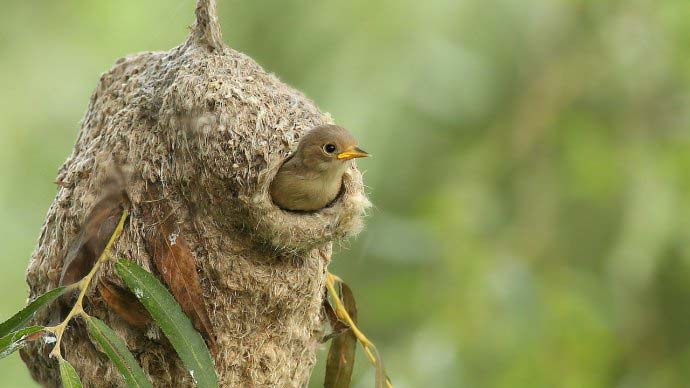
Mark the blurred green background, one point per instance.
(531, 173)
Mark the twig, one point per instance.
(206, 29)
(342, 314)
(83, 286)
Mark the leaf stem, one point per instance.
(83, 286)
(342, 313)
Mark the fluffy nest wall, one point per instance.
(204, 128)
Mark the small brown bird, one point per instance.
(311, 178)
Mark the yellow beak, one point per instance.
(351, 153)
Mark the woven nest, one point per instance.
(208, 127)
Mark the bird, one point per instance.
(311, 178)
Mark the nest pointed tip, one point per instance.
(205, 31)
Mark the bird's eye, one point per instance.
(329, 148)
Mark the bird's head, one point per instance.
(328, 148)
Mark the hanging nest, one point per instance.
(194, 136)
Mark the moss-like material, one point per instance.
(209, 128)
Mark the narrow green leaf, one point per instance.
(70, 378)
(117, 351)
(18, 339)
(28, 312)
(341, 355)
(381, 376)
(188, 343)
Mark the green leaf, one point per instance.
(117, 351)
(188, 343)
(17, 340)
(28, 312)
(70, 378)
(381, 376)
(341, 355)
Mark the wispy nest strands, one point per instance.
(208, 127)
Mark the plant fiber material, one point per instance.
(208, 128)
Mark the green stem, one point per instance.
(83, 286)
(342, 313)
